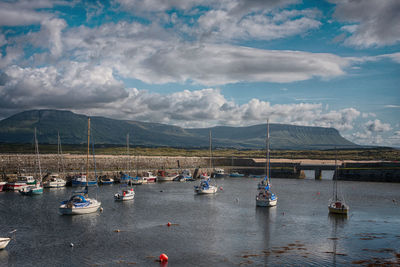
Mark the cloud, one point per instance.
(372, 23)
(220, 25)
(149, 54)
(72, 85)
(377, 126)
(208, 107)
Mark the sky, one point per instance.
(191, 63)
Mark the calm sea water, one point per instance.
(225, 229)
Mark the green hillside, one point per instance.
(73, 130)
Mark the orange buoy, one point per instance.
(169, 224)
(163, 257)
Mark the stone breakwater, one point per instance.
(12, 164)
(112, 165)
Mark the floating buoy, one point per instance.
(163, 257)
(71, 245)
(117, 231)
(101, 209)
(169, 224)
(220, 188)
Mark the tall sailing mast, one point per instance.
(38, 157)
(87, 157)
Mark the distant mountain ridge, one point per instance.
(73, 130)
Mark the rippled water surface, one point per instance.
(225, 229)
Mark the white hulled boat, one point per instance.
(80, 203)
(54, 181)
(4, 242)
(264, 197)
(125, 194)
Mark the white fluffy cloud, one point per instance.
(372, 23)
(208, 107)
(71, 85)
(377, 126)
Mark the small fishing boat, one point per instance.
(184, 175)
(219, 173)
(4, 242)
(80, 203)
(21, 182)
(54, 181)
(337, 205)
(264, 197)
(37, 188)
(163, 176)
(31, 190)
(106, 180)
(125, 194)
(205, 187)
(149, 177)
(16, 185)
(80, 180)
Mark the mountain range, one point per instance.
(72, 128)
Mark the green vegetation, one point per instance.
(18, 129)
(387, 154)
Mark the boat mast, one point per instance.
(128, 163)
(58, 151)
(210, 153)
(87, 157)
(335, 181)
(267, 148)
(38, 157)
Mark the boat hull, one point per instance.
(118, 197)
(4, 242)
(166, 178)
(67, 210)
(343, 209)
(210, 190)
(55, 184)
(78, 183)
(31, 191)
(16, 186)
(266, 202)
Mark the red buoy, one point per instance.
(169, 224)
(220, 188)
(163, 257)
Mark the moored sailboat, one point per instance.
(126, 193)
(36, 189)
(80, 203)
(54, 180)
(265, 198)
(205, 186)
(337, 205)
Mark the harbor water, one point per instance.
(225, 229)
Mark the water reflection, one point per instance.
(3, 256)
(338, 221)
(265, 218)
